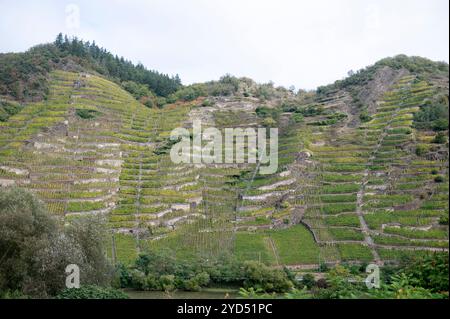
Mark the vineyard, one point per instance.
(345, 190)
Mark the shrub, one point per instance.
(439, 179)
(91, 292)
(167, 282)
(86, 113)
(8, 109)
(137, 90)
(297, 118)
(433, 114)
(161, 101)
(35, 251)
(308, 281)
(440, 138)
(440, 125)
(260, 276)
(207, 102)
(289, 106)
(267, 112)
(125, 278)
(195, 283)
(430, 272)
(443, 220)
(311, 110)
(269, 122)
(138, 280)
(365, 117)
(421, 149)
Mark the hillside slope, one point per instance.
(358, 179)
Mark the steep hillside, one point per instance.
(362, 175)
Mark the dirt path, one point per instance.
(274, 249)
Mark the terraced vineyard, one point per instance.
(345, 190)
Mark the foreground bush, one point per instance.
(35, 250)
(91, 292)
(161, 271)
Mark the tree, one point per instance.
(35, 250)
(59, 40)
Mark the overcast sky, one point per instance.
(301, 43)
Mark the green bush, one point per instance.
(8, 109)
(197, 282)
(308, 281)
(297, 118)
(262, 277)
(311, 110)
(267, 112)
(290, 106)
(91, 292)
(365, 117)
(207, 102)
(86, 113)
(440, 138)
(440, 125)
(35, 250)
(136, 89)
(439, 179)
(430, 272)
(422, 149)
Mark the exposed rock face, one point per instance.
(384, 78)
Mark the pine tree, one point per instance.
(59, 40)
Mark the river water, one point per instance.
(208, 293)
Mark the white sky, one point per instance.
(301, 43)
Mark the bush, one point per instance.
(311, 110)
(269, 122)
(138, 280)
(86, 113)
(260, 276)
(207, 102)
(443, 220)
(430, 272)
(136, 89)
(267, 112)
(297, 118)
(195, 283)
(91, 292)
(26, 232)
(308, 281)
(440, 125)
(433, 114)
(167, 282)
(440, 138)
(36, 251)
(421, 149)
(125, 278)
(290, 106)
(439, 179)
(8, 109)
(365, 117)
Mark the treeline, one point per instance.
(117, 67)
(23, 76)
(424, 277)
(420, 66)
